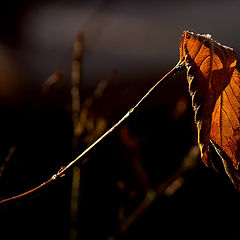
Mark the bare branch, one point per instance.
(84, 154)
(51, 82)
(6, 160)
(166, 188)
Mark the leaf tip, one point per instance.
(207, 159)
(229, 167)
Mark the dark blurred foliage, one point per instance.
(135, 161)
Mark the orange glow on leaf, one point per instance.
(214, 84)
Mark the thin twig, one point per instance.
(76, 77)
(83, 155)
(133, 145)
(97, 124)
(76, 112)
(166, 188)
(51, 81)
(100, 90)
(28, 192)
(6, 160)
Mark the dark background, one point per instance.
(139, 39)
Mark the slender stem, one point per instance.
(179, 67)
(176, 69)
(27, 192)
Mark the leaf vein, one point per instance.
(234, 93)
(228, 118)
(229, 145)
(237, 83)
(208, 56)
(232, 106)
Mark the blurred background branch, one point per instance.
(118, 191)
(166, 188)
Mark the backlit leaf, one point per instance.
(214, 84)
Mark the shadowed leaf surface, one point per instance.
(214, 84)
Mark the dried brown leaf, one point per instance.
(214, 84)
